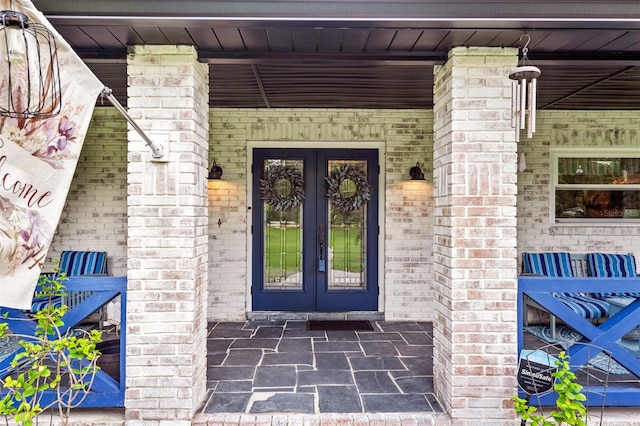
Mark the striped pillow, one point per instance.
(75, 263)
(612, 265)
(550, 264)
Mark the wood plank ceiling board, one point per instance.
(335, 53)
(556, 41)
(379, 40)
(355, 40)
(230, 39)
(405, 40)
(304, 40)
(454, 38)
(330, 39)
(430, 40)
(580, 42)
(255, 39)
(126, 35)
(627, 41)
(504, 39)
(78, 39)
(234, 86)
(280, 39)
(177, 35)
(204, 38)
(102, 37)
(151, 35)
(603, 41)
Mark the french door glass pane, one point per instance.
(282, 238)
(347, 237)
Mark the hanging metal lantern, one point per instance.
(29, 71)
(523, 94)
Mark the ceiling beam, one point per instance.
(451, 10)
(254, 68)
(585, 59)
(351, 58)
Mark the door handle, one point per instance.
(321, 234)
(321, 262)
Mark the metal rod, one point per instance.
(156, 150)
(532, 107)
(523, 102)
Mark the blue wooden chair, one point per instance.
(73, 264)
(559, 264)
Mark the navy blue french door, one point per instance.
(315, 242)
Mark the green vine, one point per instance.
(49, 361)
(346, 203)
(292, 196)
(570, 409)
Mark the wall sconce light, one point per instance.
(416, 172)
(215, 173)
(29, 71)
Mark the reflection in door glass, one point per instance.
(347, 233)
(282, 236)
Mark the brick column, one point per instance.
(475, 165)
(167, 242)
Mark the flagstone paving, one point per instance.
(257, 367)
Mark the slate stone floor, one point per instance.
(280, 367)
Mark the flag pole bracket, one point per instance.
(157, 149)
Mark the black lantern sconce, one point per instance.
(29, 71)
(416, 172)
(215, 173)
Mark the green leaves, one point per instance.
(48, 360)
(570, 409)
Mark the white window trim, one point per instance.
(586, 152)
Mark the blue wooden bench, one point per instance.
(73, 264)
(602, 337)
(564, 265)
(106, 391)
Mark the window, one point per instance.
(595, 185)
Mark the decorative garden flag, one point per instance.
(38, 158)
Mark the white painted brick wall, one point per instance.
(95, 213)
(94, 217)
(408, 224)
(567, 129)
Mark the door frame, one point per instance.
(379, 145)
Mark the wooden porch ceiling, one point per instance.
(363, 54)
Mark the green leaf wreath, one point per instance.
(348, 203)
(270, 193)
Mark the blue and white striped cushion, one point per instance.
(75, 263)
(39, 303)
(585, 306)
(550, 264)
(612, 265)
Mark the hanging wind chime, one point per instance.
(523, 94)
(29, 71)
